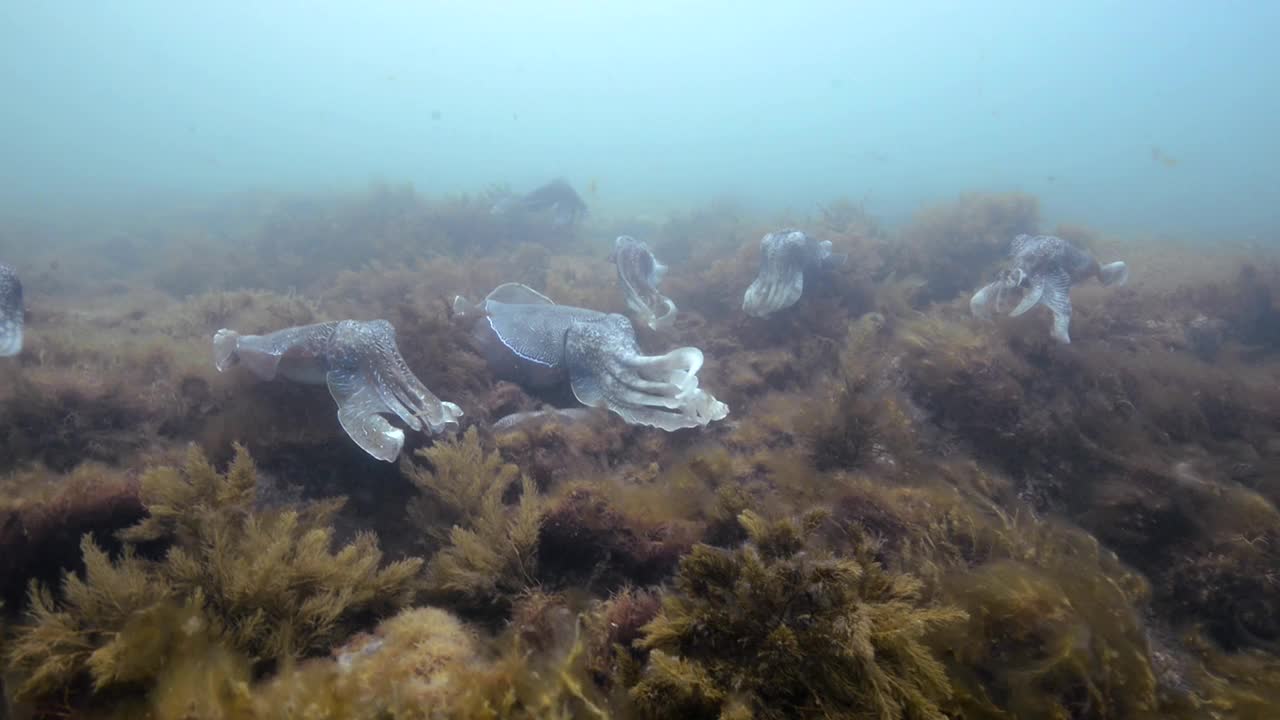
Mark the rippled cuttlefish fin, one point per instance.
(513, 293)
(607, 370)
(639, 272)
(11, 312)
(368, 378)
(521, 321)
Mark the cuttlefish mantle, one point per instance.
(362, 367)
(528, 338)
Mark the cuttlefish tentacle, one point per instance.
(362, 367)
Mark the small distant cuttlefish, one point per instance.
(640, 272)
(1045, 267)
(785, 256)
(557, 195)
(10, 312)
(363, 369)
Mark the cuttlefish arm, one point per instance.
(367, 378)
(1051, 288)
(360, 364)
(986, 302)
(606, 369)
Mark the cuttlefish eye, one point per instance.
(1013, 277)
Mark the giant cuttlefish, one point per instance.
(10, 312)
(530, 339)
(557, 195)
(361, 365)
(784, 257)
(640, 272)
(1045, 267)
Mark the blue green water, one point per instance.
(1143, 117)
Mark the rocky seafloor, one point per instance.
(908, 512)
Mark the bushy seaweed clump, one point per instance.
(1054, 631)
(778, 629)
(952, 246)
(424, 664)
(266, 580)
(487, 547)
(1228, 579)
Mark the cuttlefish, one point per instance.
(785, 256)
(363, 369)
(529, 339)
(639, 272)
(1045, 267)
(10, 312)
(557, 195)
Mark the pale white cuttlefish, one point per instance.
(362, 367)
(785, 257)
(529, 339)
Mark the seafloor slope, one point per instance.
(907, 514)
